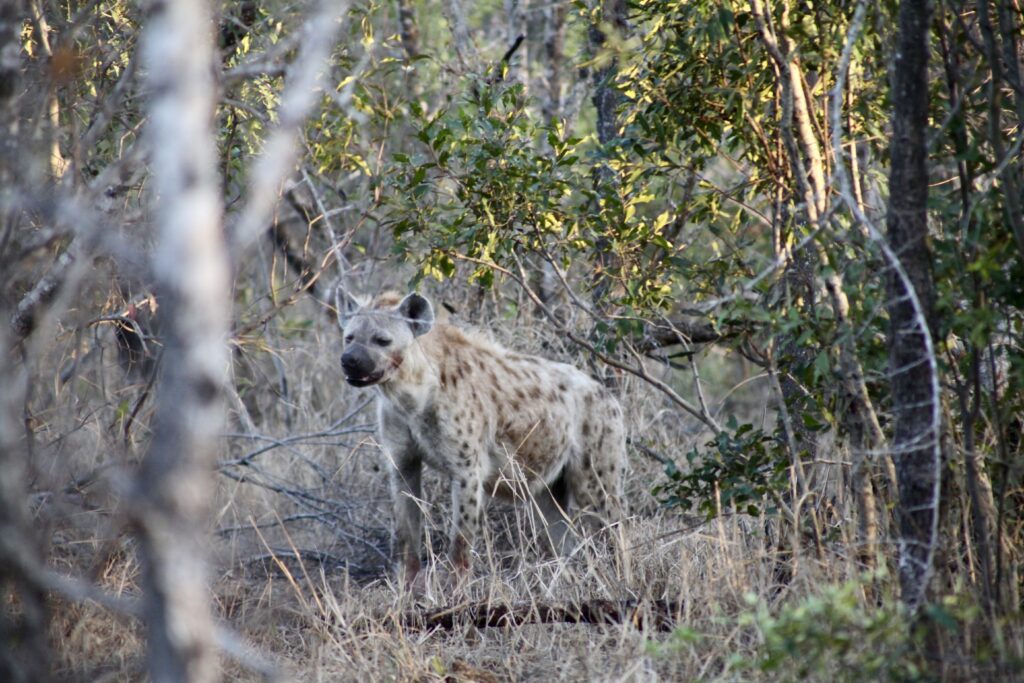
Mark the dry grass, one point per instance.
(301, 536)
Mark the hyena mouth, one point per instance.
(364, 381)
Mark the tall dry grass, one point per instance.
(300, 532)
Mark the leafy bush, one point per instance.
(832, 634)
(741, 467)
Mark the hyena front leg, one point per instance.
(467, 504)
(406, 477)
(405, 473)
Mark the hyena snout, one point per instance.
(359, 366)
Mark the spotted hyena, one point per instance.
(498, 423)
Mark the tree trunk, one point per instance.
(408, 30)
(24, 650)
(606, 103)
(911, 357)
(1009, 171)
(553, 32)
(798, 280)
(175, 482)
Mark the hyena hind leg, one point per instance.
(596, 484)
(553, 502)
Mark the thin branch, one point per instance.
(305, 81)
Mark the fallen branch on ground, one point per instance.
(657, 615)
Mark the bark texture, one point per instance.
(191, 264)
(911, 362)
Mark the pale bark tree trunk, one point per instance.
(807, 158)
(911, 357)
(553, 32)
(191, 266)
(461, 42)
(799, 275)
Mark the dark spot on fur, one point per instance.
(561, 386)
(586, 428)
(535, 392)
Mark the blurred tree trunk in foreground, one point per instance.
(192, 272)
(24, 651)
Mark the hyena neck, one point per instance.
(413, 386)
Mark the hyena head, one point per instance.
(378, 335)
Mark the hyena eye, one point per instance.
(349, 338)
(382, 341)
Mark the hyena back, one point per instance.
(498, 423)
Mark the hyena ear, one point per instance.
(346, 303)
(418, 312)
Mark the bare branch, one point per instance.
(305, 81)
